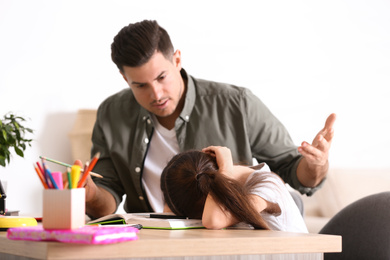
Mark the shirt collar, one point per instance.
(189, 102)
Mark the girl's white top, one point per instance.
(273, 189)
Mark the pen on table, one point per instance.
(137, 226)
(40, 175)
(68, 165)
(88, 171)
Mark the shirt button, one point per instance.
(146, 140)
(141, 198)
(187, 118)
(137, 169)
(148, 121)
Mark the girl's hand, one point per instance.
(224, 159)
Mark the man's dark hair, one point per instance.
(135, 44)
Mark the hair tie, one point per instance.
(198, 175)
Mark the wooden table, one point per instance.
(184, 244)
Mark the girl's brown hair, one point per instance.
(190, 176)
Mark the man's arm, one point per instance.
(314, 165)
(98, 201)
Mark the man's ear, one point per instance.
(177, 59)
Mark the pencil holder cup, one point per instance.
(63, 209)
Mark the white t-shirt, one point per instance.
(162, 148)
(274, 190)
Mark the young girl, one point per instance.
(205, 184)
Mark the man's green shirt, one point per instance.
(213, 114)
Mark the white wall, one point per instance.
(304, 59)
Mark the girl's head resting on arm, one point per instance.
(185, 182)
(190, 176)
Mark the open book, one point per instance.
(166, 221)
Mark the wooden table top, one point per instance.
(171, 243)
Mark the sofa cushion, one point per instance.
(343, 187)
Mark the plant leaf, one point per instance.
(2, 161)
(5, 135)
(19, 151)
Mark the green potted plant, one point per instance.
(12, 134)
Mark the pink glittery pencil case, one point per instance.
(83, 235)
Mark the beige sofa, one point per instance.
(342, 187)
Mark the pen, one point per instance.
(137, 226)
(68, 165)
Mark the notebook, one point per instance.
(144, 219)
(83, 235)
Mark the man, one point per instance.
(166, 111)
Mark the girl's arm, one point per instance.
(216, 217)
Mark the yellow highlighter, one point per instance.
(75, 172)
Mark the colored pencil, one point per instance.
(53, 182)
(68, 165)
(44, 174)
(47, 177)
(88, 171)
(40, 175)
(69, 178)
